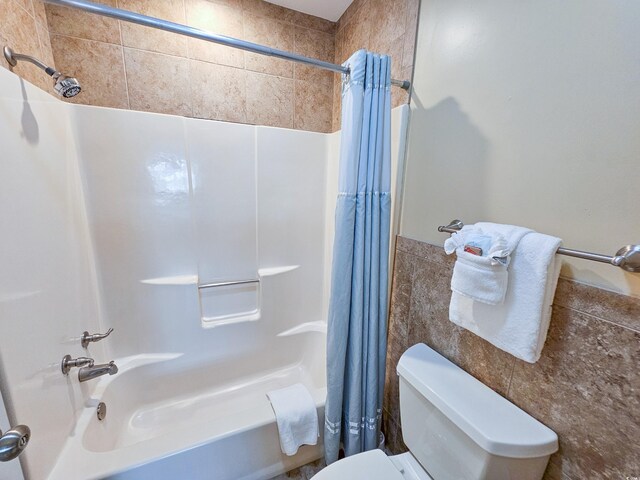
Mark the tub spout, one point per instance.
(95, 371)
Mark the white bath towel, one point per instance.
(296, 416)
(519, 325)
(484, 277)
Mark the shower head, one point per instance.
(64, 86)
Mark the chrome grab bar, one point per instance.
(227, 284)
(627, 258)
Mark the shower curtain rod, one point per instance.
(178, 28)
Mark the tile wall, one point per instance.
(23, 27)
(128, 66)
(382, 26)
(586, 386)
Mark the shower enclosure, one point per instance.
(115, 219)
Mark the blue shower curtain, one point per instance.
(357, 323)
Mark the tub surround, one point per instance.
(585, 387)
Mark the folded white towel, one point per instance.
(296, 416)
(519, 325)
(483, 278)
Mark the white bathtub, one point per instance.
(164, 422)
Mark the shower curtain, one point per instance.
(357, 323)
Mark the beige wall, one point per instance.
(23, 27)
(527, 113)
(121, 65)
(382, 26)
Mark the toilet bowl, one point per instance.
(456, 428)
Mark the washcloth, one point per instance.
(483, 277)
(519, 325)
(296, 416)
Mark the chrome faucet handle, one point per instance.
(96, 337)
(68, 363)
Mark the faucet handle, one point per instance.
(96, 337)
(68, 363)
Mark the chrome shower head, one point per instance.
(64, 86)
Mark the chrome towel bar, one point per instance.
(228, 284)
(627, 258)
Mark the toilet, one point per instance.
(456, 428)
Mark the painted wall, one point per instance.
(527, 113)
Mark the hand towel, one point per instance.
(483, 278)
(296, 416)
(519, 325)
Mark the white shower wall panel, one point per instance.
(176, 201)
(47, 290)
(138, 201)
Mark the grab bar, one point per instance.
(227, 284)
(627, 258)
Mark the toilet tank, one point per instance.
(460, 429)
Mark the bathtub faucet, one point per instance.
(95, 371)
(88, 370)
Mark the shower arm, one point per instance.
(13, 57)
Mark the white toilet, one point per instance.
(456, 428)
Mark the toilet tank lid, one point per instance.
(494, 423)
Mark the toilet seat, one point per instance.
(372, 465)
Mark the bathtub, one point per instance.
(164, 422)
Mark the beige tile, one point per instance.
(266, 9)
(75, 23)
(40, 13)
(313, 107)
(271, 33)
(98, 66)
(18, 30)
(24, 4)
(46, 53)
(393, 48)
(337, 103)
(315, 23)
(157, 82)
(586, 387)
(350, 12)
(613, 307)
(393, 436)
(411, 30)
(218, 92)
(388, 18)
(220, 19)
(318, 45)
(269, 100)
(152, 39)
(429, 323)
(433, 253)
(356, 33)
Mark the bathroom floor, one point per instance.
(305, 472)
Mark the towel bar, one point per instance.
(627, 258)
